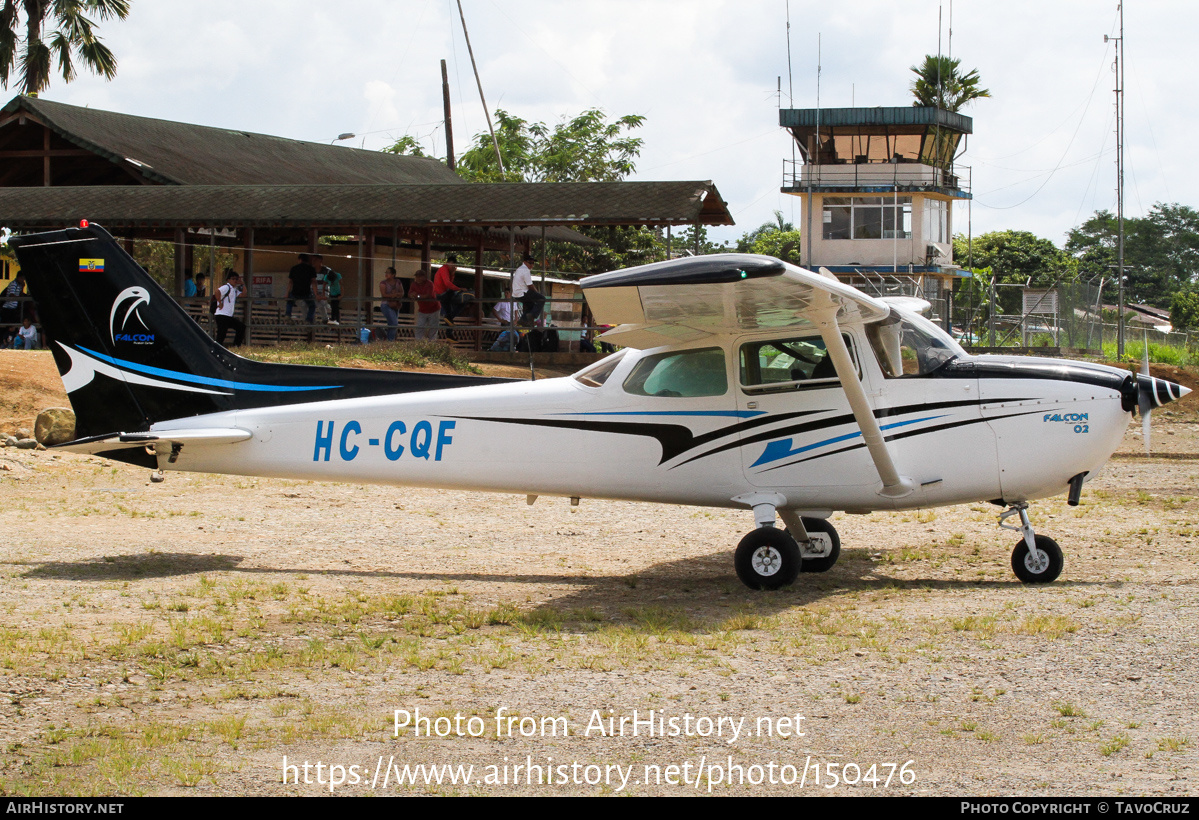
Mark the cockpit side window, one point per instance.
(782, 364)
(681, 374)
(905, 347)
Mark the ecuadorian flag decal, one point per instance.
(91, 266)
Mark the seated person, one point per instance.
(26, 338)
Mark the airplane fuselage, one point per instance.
(979, 428)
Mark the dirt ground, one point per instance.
(202, 635)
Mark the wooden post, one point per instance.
(248, 277)
(479, 290)
(181, 266)
(361, 273)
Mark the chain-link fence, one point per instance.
(1070, 315)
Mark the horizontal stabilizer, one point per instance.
(121, 441)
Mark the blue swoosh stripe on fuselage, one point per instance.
(736, 414)
(782, 448)
(187, 377)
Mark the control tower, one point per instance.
(877, 187)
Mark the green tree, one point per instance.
(746, 243)
(783, 245)
(406, 146)
(27, 46)
(1017, 258)
(778, 238)
(587, 148)
(1184, 310)
(1161, 251)
(940, 83)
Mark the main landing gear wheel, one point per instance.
(767, 558)
(815, 527)
(1042, 569)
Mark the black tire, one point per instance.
(1050, 568)
(826, 563)
(767, 558)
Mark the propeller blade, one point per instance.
(1145, 428)
(1153, 393)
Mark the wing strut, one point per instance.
(824, 314)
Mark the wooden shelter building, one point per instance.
(266, 198)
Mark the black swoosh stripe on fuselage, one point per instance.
(675, 439)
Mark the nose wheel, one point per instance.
(1037, 559)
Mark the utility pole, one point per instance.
(494, 142)
(449, 125)
(1119, 71)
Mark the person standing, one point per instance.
(201, 285)
(10, 308)
(392, 291)
(331, 280)
(301, 276)
(428, 308)
(226, 298)
(531, 299)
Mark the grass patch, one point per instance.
(1114, 745)
(401, 355)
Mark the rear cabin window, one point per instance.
(779, 364)
(598, 373)
(683, 374)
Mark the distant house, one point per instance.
(1146, 316)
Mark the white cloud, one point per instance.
(704, 74)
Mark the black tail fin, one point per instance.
(130, 356)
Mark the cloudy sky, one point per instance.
(705, 75)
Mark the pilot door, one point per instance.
(799, 436)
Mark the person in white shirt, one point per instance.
(26, 337)
(523, 289)
(507, 312)
(226, 304)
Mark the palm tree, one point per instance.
(939, 83)
(32, 53)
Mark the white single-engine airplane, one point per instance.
(744, 382)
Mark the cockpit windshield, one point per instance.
(910, 345)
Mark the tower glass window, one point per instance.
(867, 217)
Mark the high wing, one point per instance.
(684, 300)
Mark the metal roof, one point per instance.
(177, 153)
(911, 116)
(424, 205)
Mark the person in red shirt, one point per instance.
(453, 298)
(428, 308)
